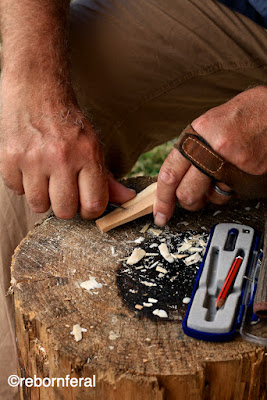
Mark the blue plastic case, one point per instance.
(200, 319)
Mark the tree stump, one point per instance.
(132, 357)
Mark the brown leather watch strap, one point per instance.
(192, 146)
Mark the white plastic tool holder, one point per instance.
(224, 248)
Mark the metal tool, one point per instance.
(116, 206)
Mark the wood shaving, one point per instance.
(77, 331)
(217, 212)
(154, 264)
(186, 300)
(151, 300)
(113, 335)
(184, 247)
(139, 307)
(147, 304)
(160, 313)
(137, 241)
(145, 228)
(202, 243)
(153, 245)
(146, 283)
(160, 269)
(164, 251)
(91, 284)
(195, 249)
(156, 232)
(194, 258)
(136, 256)
(179, 256)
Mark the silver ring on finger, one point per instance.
(221, 191)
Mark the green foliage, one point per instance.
(149, 163)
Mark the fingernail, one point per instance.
(160, 219)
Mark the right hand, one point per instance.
(50, 152)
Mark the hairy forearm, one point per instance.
(34, 38)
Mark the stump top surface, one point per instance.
(52, 261)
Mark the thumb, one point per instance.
(118, 193)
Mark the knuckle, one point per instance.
(200, 123)
(185, 198)
(16, 187)
(12, 153)
(60, 152)
(243, 158)
(36, 201)
(222, 144)
(95, 208)
(167, 176)
(33, 156)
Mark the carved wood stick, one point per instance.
(141, 205)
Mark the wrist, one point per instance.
(50, 89)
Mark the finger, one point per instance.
(12, 178)
(93, 191)
(36, 191)
(170, 175)
(119, 194)
(63, 193)
(192, 191)
(215, 197)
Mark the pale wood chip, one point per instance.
(164, 251)
(145, 228)
(160, 269)
(136, 256)
(160, 313)
(156, 232)
(77, 331)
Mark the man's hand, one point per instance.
(54, 156)
(47, 148)
(237, 130)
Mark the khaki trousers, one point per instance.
(142, 70)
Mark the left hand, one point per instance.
(236, 130)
